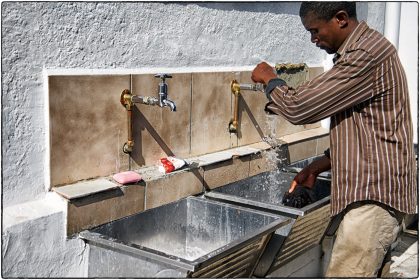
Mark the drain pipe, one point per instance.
(392, 22)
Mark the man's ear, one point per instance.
(342, 19)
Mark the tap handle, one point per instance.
(163, 76)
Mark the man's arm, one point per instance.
(338, 89)
(307, 176)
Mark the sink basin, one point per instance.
(264, 192)
(193, 237)
(299, 165)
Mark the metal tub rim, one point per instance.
(262, 206)
(191, 265)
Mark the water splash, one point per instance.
(272, 156)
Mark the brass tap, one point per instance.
(126, 101)
(236, 91)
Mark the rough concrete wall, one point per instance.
(37, 35)
(34, 243)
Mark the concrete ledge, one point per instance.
(91, 207)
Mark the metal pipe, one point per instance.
(254, 87)
(127, 102)
(236, 90)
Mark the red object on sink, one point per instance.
(167, 165)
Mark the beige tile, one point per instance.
(302, 150)
(323, 143)
(158, 132)
(253, 121)
(173, 187)
(87, 127)
(226, 172)
(211, 112)
(91, 211)
(284, 127)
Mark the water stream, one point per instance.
(272, 156)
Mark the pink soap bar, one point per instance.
(127, 177)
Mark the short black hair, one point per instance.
(327, 10)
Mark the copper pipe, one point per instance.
(236, 90)
(126, 101)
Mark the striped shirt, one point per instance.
(371, 134)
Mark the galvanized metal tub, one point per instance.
(193, 237)
(264, 192)
(299, 165)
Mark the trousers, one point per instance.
(363, 238)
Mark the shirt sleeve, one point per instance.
(348, 83)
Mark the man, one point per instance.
(371, 138)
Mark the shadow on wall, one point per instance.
(142, 125)
(291, 8)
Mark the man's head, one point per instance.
(328, 22)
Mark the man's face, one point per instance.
(325, 34)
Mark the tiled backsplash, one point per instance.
(88, 124)
(88, 127)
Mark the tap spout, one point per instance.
(163, 92)
(254, 87)
(170, 104)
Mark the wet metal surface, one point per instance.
(299, 165)
(185, 235)
(266, 191)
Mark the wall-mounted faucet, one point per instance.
(281, 69)
(163, 92)
(127, 99)
(236, 91)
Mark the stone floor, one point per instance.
(404, 257)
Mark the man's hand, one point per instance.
(304, 178)
(263, 73)
(307, 176)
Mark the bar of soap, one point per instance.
(127, 177)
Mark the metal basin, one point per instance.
(192, 237)
(299, 165)
(264, 192)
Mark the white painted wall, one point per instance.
(408, 50)
(112, 35)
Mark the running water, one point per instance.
(273, 155)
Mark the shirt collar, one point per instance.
(352, 38)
